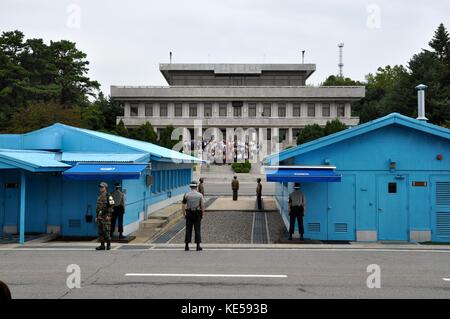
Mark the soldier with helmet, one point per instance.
(104, 209)
(297, 205)
(193, 207)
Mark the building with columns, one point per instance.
(272, 99)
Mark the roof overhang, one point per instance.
(236, 68)
(106, 171)
(303, 174)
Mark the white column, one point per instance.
(348, 110)
(290, 136)
(333, 110)
(126, 110)
(141, 109)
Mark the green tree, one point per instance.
(121, 129)
(309, 133)
(336, 80)
(72, 68)
(333, 127)
(441, 43)
(43, 114)
(145, 133)
(165, 137)
(93, 117)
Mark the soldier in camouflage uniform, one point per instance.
(104, 208)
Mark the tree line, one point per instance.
(42, 84)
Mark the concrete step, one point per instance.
(152, 224)
(167, 213)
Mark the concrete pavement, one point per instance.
(169, 273)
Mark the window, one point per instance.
(340, 110)
(252, 110)
(311, 110)
(237, 111)
(148, 109)
(207, 110)
(134, 110)
(296, 110)
(283, 133)
(267, 110)
(281, 110)
(192, 110)
(295, 132)
(326, 110)
(222, 110)
(178, 110)
(163, 110)
(392, 188)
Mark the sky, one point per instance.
(126, 40)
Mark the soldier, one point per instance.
(297, 205)
(235, 187)
(193, 208)
(259, 194)
(119, 210)
(201, 187)
(105, 205)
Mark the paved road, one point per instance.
(305, 273)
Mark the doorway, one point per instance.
(392, 207)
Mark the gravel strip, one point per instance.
(277, 230)
(223, 227)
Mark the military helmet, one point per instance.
(193, 184)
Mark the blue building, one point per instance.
(49, 179)
(388, 179)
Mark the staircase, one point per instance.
(158, 222)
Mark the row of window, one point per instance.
(167, 180)
(237, 110)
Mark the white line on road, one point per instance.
(206, 275)
(446, 279)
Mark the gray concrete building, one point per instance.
(273, 99)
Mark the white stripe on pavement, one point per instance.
(446, 279)
(206, 275)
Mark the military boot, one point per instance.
(198, 247)
(108, 245)
(186, 247)
(101, 247)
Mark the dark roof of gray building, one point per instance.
(236, 68)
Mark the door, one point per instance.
(11, 200)
(36, 203)
(315, 220)
(341, 209)
(440, 208)
(78, 199)
(392, 207)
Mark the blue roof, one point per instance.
(393, 118)
(299, 174)
(31, 160)
(157, 152)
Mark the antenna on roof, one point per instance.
(341, 64)
(303, 57)
(170, 57)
